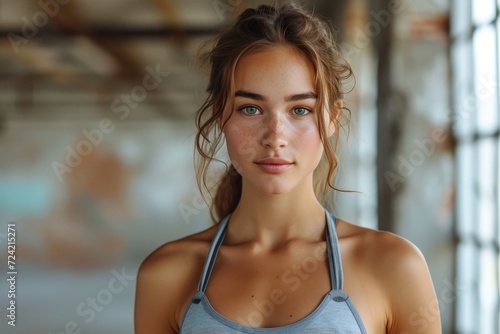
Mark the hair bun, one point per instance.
(266, 9)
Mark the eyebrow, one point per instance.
(294, 97)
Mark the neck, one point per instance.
(269, 221)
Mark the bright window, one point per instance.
(476, 124)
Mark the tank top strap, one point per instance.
(212, 254)
(333, 249)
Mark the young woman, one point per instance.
(279, 261)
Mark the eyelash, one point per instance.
(307, 109)
(242, 109)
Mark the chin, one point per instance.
(274, 188)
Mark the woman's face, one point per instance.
(272, 134)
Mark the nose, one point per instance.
(273, 132)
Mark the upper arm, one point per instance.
(164, 280)
(414, 307)
(152, 312)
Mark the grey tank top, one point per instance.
(335, 314)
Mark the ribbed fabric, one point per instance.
(335, 313)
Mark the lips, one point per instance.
(273, 161)
(274, 165)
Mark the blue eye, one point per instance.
(301, 111)
(249, 110)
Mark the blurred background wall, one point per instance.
(97, 104)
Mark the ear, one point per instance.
(332, 123)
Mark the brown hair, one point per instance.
(259, 27)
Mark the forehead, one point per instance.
(276, 70)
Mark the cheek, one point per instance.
(241, 146)
(309, 140)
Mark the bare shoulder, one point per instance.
(174, 254)
(166, 280)
(382, 251)
(398, 271)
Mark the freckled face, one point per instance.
(272, 134)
